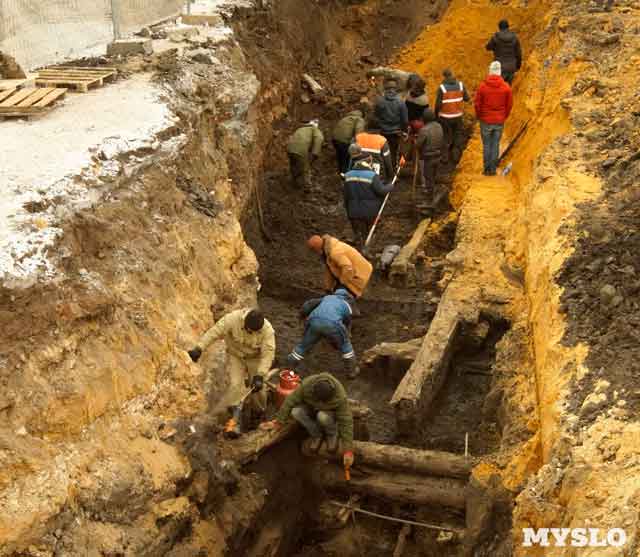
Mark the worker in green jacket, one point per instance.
(304, 147)
(344, 133)
(321, 406)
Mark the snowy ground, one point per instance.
(62, 162)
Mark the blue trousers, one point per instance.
(491, 134)
(315, 329)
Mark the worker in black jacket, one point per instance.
(364, 193)
(506, 49)
(392, 117)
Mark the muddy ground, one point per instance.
(290, 273)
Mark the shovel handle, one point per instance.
(347, 474)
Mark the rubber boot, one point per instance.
(314, 444)
(351, 368)
(332, 444)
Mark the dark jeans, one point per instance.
(393, 139)
(316, 422)
(508, 76)
(342, 155)
(490, 134)
(361, 229)
(430, 166)
(314, 330)
(453, 129)
(300, 172)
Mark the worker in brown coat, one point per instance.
(346, 267)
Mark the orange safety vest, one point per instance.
(452, 102)
(371, 143)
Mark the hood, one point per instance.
(506, 36)
(450, 81)
(494, 81)
(362, 164)
(342, 293)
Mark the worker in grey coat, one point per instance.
(429, 142)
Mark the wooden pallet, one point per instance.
(29, 101)
(75, 77)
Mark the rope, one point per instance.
(394, 519)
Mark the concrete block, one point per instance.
(202, 19)
(127, 47)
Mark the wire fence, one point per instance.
(37, 33)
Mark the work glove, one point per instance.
(195, 353)
(257, 382)
(347, 459)
(271, 425)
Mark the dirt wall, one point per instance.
(585, 437)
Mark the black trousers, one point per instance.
(300, 171)
(453, 129)
(361, 229)
(342, 155)
(393, 139)
(430, 172)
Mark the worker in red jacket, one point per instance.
(493, 104)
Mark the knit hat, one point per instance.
(355, 150)
(323, 390)
(254, 320)
(495, 68)
(315, 243)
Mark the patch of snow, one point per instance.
(60, 163)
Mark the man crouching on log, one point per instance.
(321, 406)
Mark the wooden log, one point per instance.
(251, 445)
(402, 272)
(405, 352)
(422, 383)
(316, 89)
(402, 488)
(402, 540)
(395, 459)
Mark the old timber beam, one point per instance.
(394, 458)
(401, 488)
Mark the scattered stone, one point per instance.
(608, 163)
(203, 56)
(607, 293)
(593, 403)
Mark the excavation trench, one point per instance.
(457, 420)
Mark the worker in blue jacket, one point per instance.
(328, 317)
(364, 192)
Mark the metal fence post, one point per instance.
(189, 7)
(115, 19)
